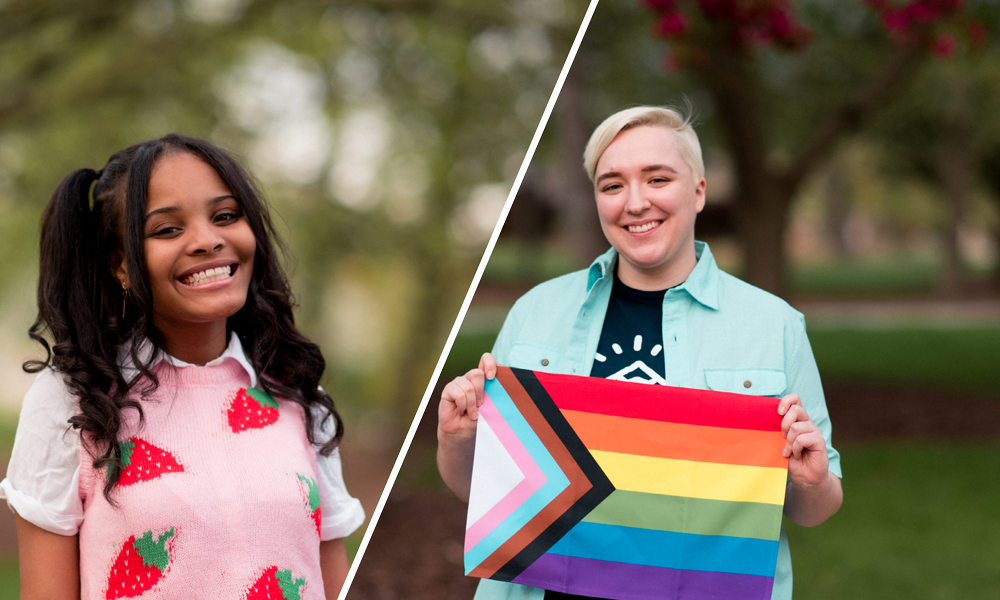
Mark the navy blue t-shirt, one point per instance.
(631, 343)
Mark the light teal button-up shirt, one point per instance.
(719, 333)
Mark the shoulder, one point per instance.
(554, 294)
(736, 295)
(49, 397)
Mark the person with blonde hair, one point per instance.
(656, 309)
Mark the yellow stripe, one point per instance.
(711, 481)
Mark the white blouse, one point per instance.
(42, 483)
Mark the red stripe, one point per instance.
(662, 403)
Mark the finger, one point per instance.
(472, 399)
(811, 439)
(789, 442)
(794, 415)
(794, 431)
(464, 394)
(788, 401)
(488, 365)
(478, 381)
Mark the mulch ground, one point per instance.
(416, 550)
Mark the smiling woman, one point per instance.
(658, 293)
(204, 457)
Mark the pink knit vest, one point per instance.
(218, 499)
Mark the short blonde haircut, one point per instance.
(639, 116)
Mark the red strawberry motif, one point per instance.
(252, 409)
(276, 585)
(312, 499)
(142, 461)
(140, 565)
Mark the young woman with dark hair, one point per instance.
(176, 441)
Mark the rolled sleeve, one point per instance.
(42, 483)
(803, 379)
(342, 513)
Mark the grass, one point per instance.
(919, 521)
(10, 582)
(871, 279)
(950, 359)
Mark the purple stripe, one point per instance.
(624, 581)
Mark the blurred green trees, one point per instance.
(386, 135)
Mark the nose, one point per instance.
(205, 239)
(636, 201)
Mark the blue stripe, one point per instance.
(557, 480)
(717, 553)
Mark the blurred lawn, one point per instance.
(949, 359)
(9, 580)
(919, 521)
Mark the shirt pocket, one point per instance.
(755, 382)
(535, 358)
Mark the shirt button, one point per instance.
(545, 362)
(747, 383)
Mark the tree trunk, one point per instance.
(955, 171)
(580, 226)
(763, 220)
(838, 209)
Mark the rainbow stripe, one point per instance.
(678, 492)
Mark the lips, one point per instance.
(209, 275)
(644, 227)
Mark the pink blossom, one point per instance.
(780, 23)
(896, 20)
(977, 34)
(919, 11)
(671, 24)
(944, 46)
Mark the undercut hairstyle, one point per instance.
(87, 325)
(640, 116)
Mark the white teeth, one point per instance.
(208, 275)
(642, 228)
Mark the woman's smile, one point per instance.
(209, 274)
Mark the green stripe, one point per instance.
(689, 515)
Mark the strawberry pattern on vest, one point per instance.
(221, 438)
(252, 408)
(276, 584)
(311, 493)
(142, 461)
(141, 564)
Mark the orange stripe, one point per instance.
(678, 441)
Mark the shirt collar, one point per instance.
(602, 267)
(234, 351)
(702, 283)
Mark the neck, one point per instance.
(661, 277)
(195, 343)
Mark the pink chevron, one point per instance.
(533, 476)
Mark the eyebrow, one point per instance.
(647, 169)
(170, 209)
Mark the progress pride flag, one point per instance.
(625, 490)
